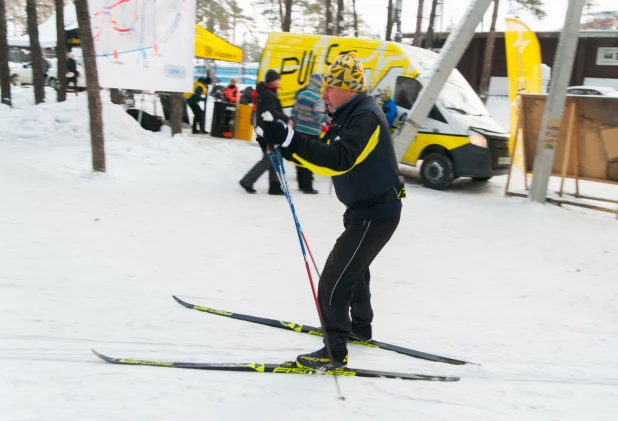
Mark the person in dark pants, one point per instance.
(309, 116)
(45, 66)
(360, 157)
(72, 73)
(267, 100)
(199, 94)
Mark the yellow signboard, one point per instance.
(523, 60)
(210, 46)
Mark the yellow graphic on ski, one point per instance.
(316, 331)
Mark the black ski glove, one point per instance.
(276, 132)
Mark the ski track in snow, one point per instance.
(92, 261)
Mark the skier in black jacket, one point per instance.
(267, 100)
(360, 157)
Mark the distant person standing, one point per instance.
(388, 106)
(72, 73)
(247, 96)
(309, 116)
(199, 94)
(45, 66)
(231, 94)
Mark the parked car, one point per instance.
(22, 72)
(592, 90)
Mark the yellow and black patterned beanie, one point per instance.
(346, 72)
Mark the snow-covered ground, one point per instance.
(92, 260)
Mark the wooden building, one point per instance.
(597, 55)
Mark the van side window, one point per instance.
(406, 92)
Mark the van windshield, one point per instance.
(457, 95)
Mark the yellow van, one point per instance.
(458, 139)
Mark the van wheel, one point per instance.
(437, 171)
(481, 179)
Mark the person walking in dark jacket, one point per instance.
(360, 157)
(267, 100)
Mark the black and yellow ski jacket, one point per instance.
(359, 155)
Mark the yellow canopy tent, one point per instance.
(210, 46)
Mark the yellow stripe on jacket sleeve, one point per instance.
(316, 169)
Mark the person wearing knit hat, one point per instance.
(271, 76)
(266, 101)
(309, 117)
(360, 157)
(388, 105)
(347, 73)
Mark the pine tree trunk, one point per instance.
(61, 52)
(340, 17)
(355, 18)
(38, 78)
(432, 21)
(287, 19)
(92, 85)
(489, 52)
(418, 36)
(5, 83)
(176, 104)
(281, 18)
(389, 20)
(329, 18)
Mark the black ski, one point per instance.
(285, 368)
(315, 331)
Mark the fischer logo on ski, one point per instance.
(300, 328)
(285, 368)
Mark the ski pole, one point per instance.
(285, 187)
(315, 266)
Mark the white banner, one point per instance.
(144, 44)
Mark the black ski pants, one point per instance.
(344, 284)
(305, 178)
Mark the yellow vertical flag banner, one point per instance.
(523, 62)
